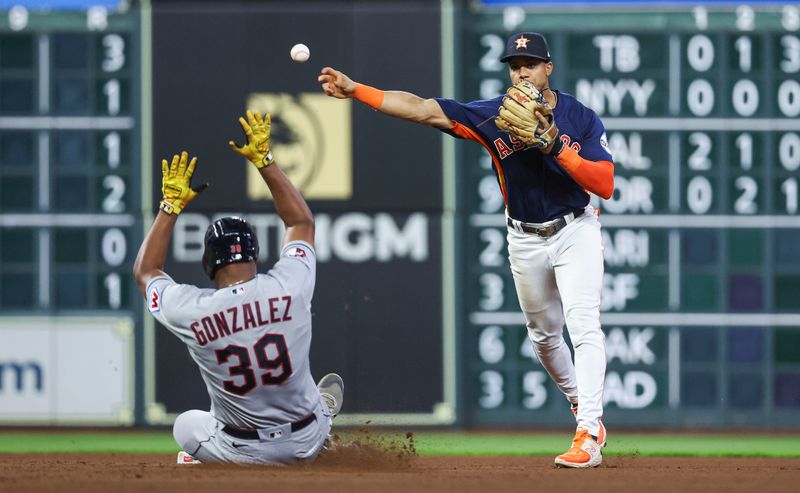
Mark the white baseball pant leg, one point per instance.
(538, 297)
(200, 435)
(195, 432)
(565, 272)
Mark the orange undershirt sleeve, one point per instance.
(595, 176)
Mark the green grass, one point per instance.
(435, 443)
(618, 444)
(131, 442)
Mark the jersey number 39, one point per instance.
(271, 356)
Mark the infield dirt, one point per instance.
(388, 473)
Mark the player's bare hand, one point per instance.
(546, 132)
(176, 188)
(336, 84)
(543, 121)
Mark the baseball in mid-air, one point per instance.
(300, 53)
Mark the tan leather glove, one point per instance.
(518, 116)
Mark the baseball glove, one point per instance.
(176, 187)
(518, 118)
(257, 150)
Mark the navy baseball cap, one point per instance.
(531, 45)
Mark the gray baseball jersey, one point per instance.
(251, 340)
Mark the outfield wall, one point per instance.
(414, 304)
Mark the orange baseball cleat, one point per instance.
(585, 452)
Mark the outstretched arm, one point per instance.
(290, 205)
(150, 260)
(177, 193)
(398, 104)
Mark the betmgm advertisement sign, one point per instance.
(369, 263)
(373, 183)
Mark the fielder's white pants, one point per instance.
(200, 435)
(560, 279)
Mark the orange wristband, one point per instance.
(369, 95)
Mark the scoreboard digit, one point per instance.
(699, 304)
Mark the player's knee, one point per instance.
(544, 330)
(184, 429)
(544, 342)
(583, 319)
(589, 333)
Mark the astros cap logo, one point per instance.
(522, 42)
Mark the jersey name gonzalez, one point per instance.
(251, 341)
(243, 317)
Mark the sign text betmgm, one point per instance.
(350, 237)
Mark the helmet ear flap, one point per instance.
(208, 263)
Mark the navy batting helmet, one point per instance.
(228, 240)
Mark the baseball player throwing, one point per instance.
(549, 150)
(252, 334)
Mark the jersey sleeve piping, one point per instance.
(465, 132)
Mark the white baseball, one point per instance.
(300, 53)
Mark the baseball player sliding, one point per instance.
(549, 150)
(252, 334)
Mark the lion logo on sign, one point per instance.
(296, 136)
(312, 142)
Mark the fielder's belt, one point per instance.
(545, 230)
(253, 434)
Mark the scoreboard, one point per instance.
(70, 182)
(70, 159)
(700, 301)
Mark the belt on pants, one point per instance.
(545, 230)
(253, 434)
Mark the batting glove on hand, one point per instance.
(257, 149)
(176, 187)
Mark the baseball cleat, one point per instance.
(184, 458)
(601, 434)
(585, 452)
(331, 388)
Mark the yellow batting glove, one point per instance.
(257, 149)
(176, 187)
